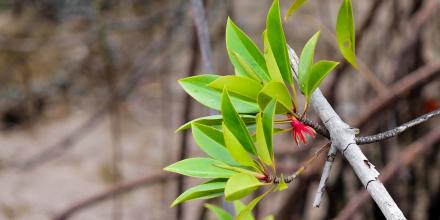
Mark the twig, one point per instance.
(342, 137)
(395, 131)
(324, 177)
(301, 169)
(121, 188)
(406, 158)
(377, 137)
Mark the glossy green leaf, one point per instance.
(236, 149)
(215, 120)
(293, 7)
(197, 87)
(241, 185)
(241, 170)
(211, 141)
(238, 85)
(244, 213)
(268, 117)
(237, 42)
(316, 74)
(249, 71)
(345, 32)
(200, 167)
(239, 206)
(219, 212)
(277, 41)
(272, 66)
(234, 123)
(280, 92)
(211, 189)
(306, 60)
(262, 147)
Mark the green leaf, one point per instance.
(293, 7)
(277, 41)
(211, 141)
(241, 185)
(234, 123)
(219, 212)
(262, 147)
(268, 117)
(306, 60)
(211, 189)
(345, 33)
(197, 87)
(200, 167)
(241, 170)
(316, 74)
(239, 206)
(215, 120)
(271, 62)
(310, 75)
(244, 213)
(238, 85)
(249, 71)
(236, 149)
(280, 92)
(238, 43)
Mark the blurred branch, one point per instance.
(136, 77)
(115, 191)
(413, 80)
(406, 158)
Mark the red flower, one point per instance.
(298, 130)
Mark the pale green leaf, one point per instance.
(277, 41)
(316, 74)
(236, 149)
(268, 118)
(219, 212)
(345, 32)
(271, 62)
(306, 60)
(239, 206)
(215, 120)
(244, 213)
(247, 69)
(262, 146)
(200, 167)
(241, 185)
(211, 189)
(197, 87)
(280, 92)
(235, 124)
(237, 42)
(211, 141)
(238, 85)
(293, 7)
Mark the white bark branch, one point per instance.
(343, 139)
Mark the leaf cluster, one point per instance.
(239, 142)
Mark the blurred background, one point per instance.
(89, 104)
